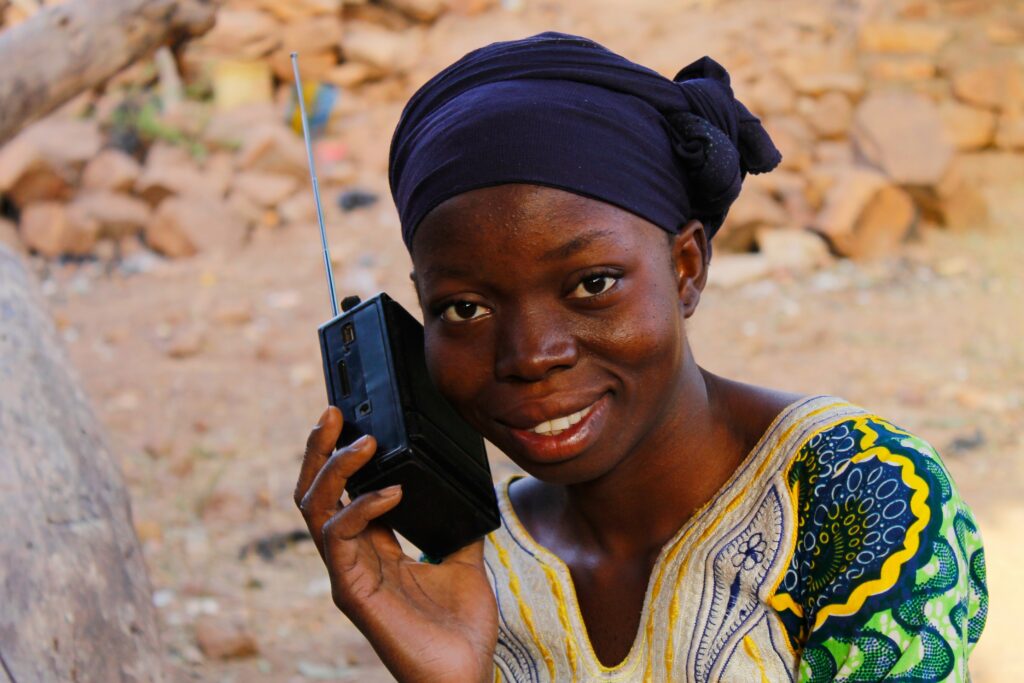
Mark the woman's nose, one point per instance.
(533, 344)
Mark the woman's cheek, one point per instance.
(647, 332)
(458, 367)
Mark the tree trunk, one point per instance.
(66, 49)
(75, 602)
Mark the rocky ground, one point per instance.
(881, 264)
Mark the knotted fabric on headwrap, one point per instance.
(564, 112)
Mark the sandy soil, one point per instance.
(210, 442)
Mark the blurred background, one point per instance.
(169, 219)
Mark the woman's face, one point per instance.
(554, 325)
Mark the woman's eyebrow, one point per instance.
(572, 246)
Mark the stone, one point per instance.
(27, 176)
(844, 190)
(311, 35)
(299, 208)
(769, 95)
(794, 138)
(111, 170)
(73, 581)
(865, 216)
(386, 50)
(729, 271)
(219, 638)
(242, 34)
(1002, 33)
(169, 171)
(272, 148)
(833, 152)
(41, 183)
(902, 134)
(265, 189)
(374, 12)
(961, 205)
(48, 229)
(182, 226)
(116, 215)
(994, 85)
(902, 69)
(1010, 134)
(230, 129)
(793, 250)
(753, 209)
(288, 11)
(990, 168)
(314, 66)
(471, 8)
(352, 74)
(967, 127)
(233, 314)
(245, 209)
(903, 37)
(342, 172)
(185, 341)
(165, 154)
(219, 169)
(66, 142)
(850, 84)
(829, 115)
(420, 10)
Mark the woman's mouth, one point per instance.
(561, 424)
(564, 437)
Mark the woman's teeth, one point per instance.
(560, 424)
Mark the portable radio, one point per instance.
(376, 374)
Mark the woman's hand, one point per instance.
(426, 622)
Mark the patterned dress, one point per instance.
(839, 550)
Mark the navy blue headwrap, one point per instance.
(564, 112)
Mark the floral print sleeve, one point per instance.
(887, 576)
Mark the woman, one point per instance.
(558, 202)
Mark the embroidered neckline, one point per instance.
(779, 432)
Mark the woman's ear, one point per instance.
(416, 287)
(690, 256)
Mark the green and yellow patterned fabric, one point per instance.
(887, 578)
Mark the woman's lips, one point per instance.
(564, 444)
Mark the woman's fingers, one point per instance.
(347, 536)
(358, 514)
(319, 446)
(321, 500)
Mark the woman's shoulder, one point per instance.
(885, 550)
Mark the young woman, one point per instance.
(558, 202)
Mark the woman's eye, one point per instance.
(461, 311)
(593, 285)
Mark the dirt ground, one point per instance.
(206, 374)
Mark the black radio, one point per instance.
(376, 374)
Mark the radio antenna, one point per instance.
(316, 185)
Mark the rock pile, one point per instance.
(879, 119)
(882, 116)
(142, 166)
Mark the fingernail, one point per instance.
(391, 491)
(361, 441)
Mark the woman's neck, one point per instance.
(640, 504)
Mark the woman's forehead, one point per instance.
(519, 225)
